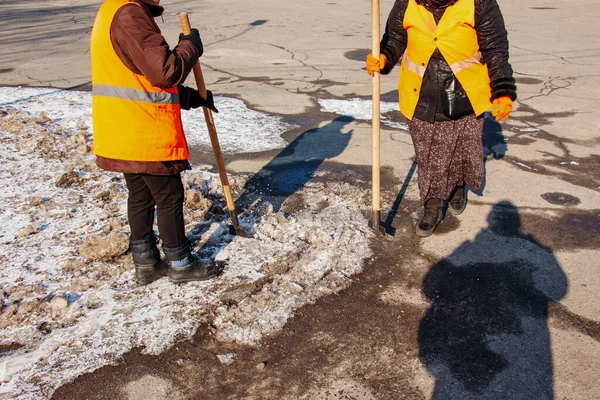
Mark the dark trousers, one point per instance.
(166, 194)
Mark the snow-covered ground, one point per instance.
(69, 302)
(362, 110)
(240, 128)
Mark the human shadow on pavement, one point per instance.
(295, 165)
(494, 146)
(494, 142)
(486, 335)
(285, 174)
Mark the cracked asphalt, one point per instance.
(500, 303)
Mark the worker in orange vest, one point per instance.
(137, 99)
(453, 68)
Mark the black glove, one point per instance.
(197, 101)
(193, 37)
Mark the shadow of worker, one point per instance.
(296, 164)
(494, 142)
(494, 146)
(486, 333)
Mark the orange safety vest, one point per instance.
(456, 39)
(132, 119)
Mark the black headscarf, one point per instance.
(437, 4)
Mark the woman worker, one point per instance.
(454, 67)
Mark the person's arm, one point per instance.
(393, 43)
(493, 45)
(140, 46)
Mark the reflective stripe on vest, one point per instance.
(132, 119)
(464, 64)
(425, 36)
(413, 67)
(456, 67)
(135, 94)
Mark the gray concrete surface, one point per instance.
(280, 57)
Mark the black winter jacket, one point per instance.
(493, 45)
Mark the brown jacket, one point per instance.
(139, 44)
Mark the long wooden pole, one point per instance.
(212, 132)
(375, 218)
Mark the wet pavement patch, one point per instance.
(561, 199)
(587, 171)
(569, 320)
(571, 229)
(533, 117)
(357, 55)
(259, 22)
(528, 81)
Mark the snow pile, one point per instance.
(69, 302)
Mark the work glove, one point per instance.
(197, 101)
(193, 37)
(375, 65)
(501, 108)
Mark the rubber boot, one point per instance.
(431, 217)
(148, 264)
(458, 200)
(185, 267)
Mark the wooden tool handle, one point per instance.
(210, 123)
(375, 25)
(187, 29)
(376, 122)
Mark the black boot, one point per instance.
(458, 200)
(431, 218)
(148, 264)
(185, 267)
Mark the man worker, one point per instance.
(137, 98)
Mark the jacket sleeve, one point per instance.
(139, 44)
(393, 43)
(493, 45)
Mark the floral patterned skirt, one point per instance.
(449, 153)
